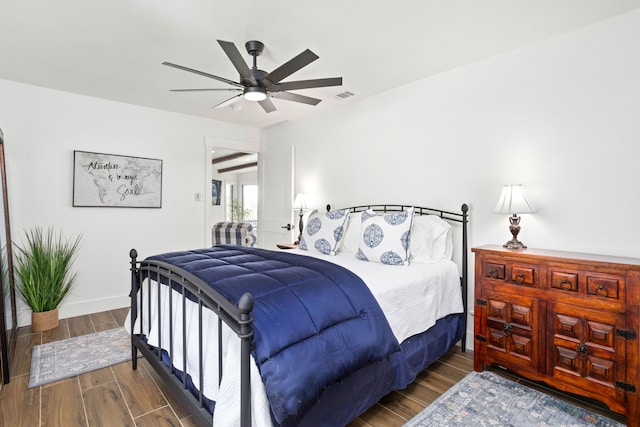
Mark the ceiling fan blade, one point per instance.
(236, 59)
(306, 84)
(202, 73)
(197, 90)
(228, 101)
(267, 105)
(288, 96)
(290, 67)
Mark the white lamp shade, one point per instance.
(300, 201)
(513, 201)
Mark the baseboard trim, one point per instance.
(80, 308)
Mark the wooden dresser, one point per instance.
(568, 319)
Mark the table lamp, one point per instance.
(300, 202)
(513, 201)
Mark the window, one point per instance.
(229, 198)
(250, 203)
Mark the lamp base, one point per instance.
(514, 228)
(514, 244)
(300, 227)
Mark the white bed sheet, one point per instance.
(227, 395)
(412, 298)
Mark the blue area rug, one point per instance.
(74, 356)
(487, 399)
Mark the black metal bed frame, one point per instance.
(238, 319)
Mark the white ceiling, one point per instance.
(113, 49)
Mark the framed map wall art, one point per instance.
(111, 180)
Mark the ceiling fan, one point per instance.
(258, 85)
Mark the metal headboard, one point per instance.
(461, 217)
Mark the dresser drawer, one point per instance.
(510, 272)
(524, 274)
(605, 286)
(494, 270)
(564, 281)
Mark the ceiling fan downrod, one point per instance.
(254, 48)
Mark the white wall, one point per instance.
(42, 128)
(561, 117)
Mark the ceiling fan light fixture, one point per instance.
(257, 85)
(254, 93)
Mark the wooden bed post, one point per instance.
(245, 305)
(134, 304)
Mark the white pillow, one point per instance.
(351, 240)
(431, 239)
(385, 238)
(324, 231)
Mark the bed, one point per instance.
(270, 337)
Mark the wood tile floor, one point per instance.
(118, 396)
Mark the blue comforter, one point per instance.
(315, 322)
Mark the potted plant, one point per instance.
(238, 213)
(42, 268)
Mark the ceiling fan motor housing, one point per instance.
(258, 75)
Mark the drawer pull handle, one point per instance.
(520, 278)
(602, 291)
(565, 284)
(493, 273)
(507, 328)
(583, 350)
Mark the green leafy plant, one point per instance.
(238, 213)
(42, 268)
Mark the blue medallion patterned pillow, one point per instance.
(385, 238)
(324, 231)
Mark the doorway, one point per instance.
(230, 166)
(274, 187)
(234, 186)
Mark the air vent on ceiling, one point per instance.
(343, 95)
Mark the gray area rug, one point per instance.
(487, 399)
(74, 356)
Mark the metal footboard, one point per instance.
(191, 288)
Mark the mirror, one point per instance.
(8, 320)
